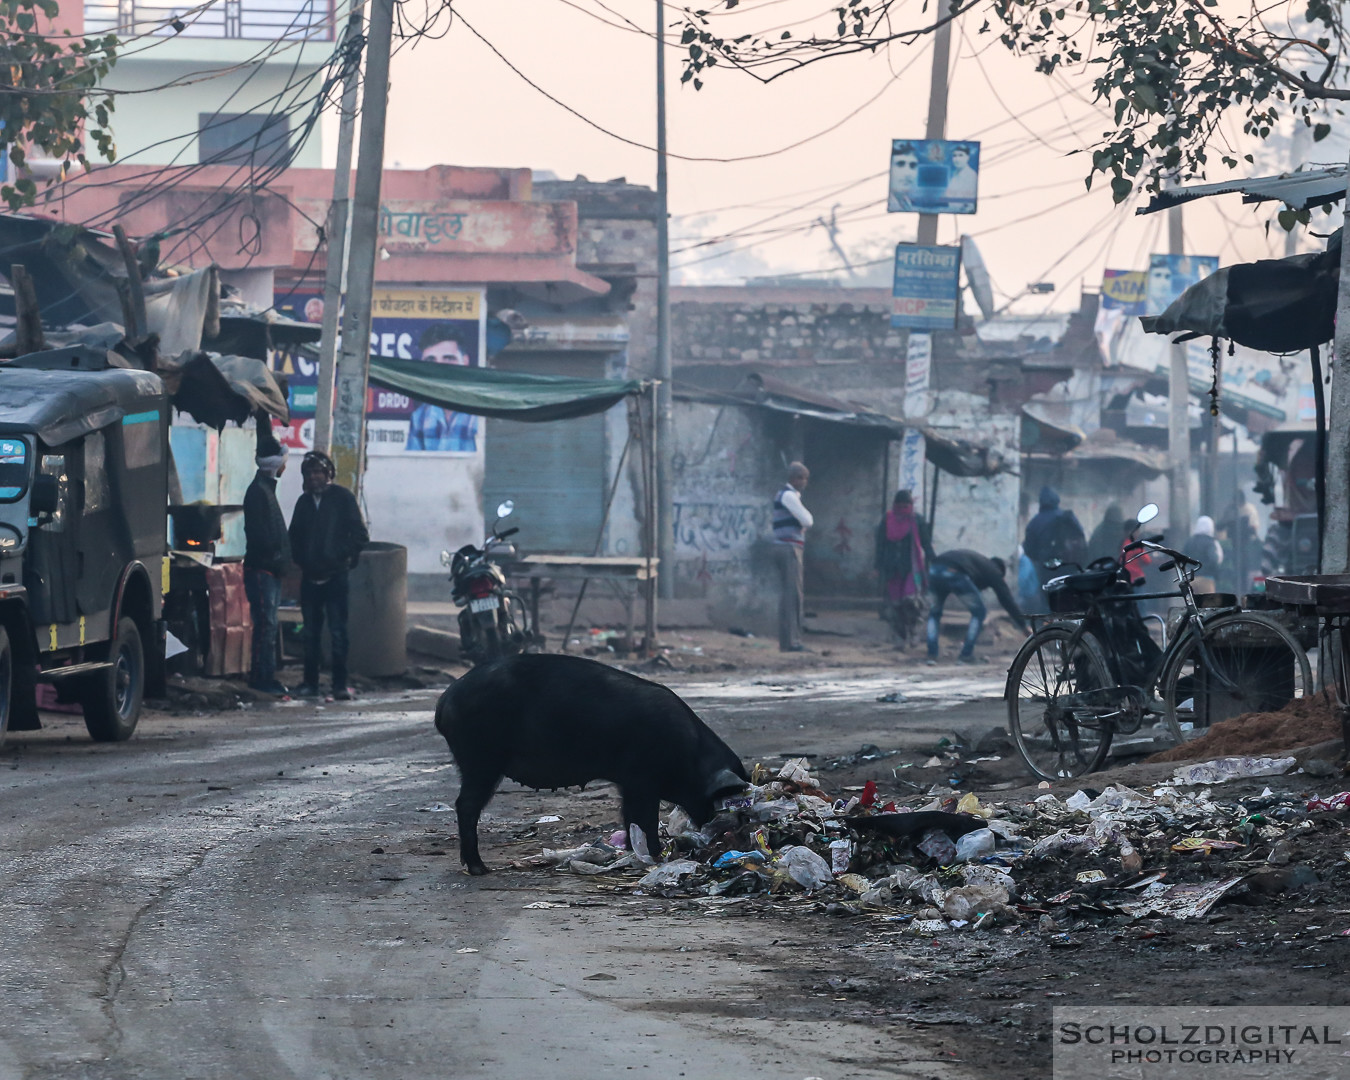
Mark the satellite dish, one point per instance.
(977, 277)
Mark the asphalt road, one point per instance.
(263, 894)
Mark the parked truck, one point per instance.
(84, 466)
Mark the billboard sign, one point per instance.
(933, 176)
(927, 289)
(1122, 299)
(443, 326)
(1171, 275)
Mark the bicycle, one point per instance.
(1077, 683)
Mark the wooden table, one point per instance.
(639, 570)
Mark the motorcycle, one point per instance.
(493, 620)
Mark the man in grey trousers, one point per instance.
(790, 521)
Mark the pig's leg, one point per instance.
(474, 793)
(641, 809)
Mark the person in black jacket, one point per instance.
(267, 556)
(966, 573)
(327, 535)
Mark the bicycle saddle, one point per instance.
(1089, 581)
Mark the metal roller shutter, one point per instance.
(554, 472)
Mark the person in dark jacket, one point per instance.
(327, 535)
(1053, 534)
(267, 557)
(965, 574)
(1105, 540)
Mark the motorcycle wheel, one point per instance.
(490, 639)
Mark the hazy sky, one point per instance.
(453, 101)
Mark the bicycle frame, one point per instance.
(1093, 622)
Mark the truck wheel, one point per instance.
(6, 682)
(112, 699)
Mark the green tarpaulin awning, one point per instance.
(505, 395)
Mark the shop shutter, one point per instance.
(554, 472)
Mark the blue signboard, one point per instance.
(927, 290)
(933, 176)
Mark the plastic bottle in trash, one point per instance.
(839, 855)
(975, 845)
(1130, 860)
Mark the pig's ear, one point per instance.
(724, 782)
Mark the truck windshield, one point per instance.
(14, 469)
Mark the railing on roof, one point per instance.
(248, 20)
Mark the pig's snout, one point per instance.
(724, 782)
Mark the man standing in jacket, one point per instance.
(790, 521)
(967, 573)
(327, 535)
(267, 556)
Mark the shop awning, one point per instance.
(505, 395)
(950, 454)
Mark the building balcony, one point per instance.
(239, 20)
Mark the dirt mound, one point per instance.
(1303, 722)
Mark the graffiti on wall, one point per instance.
(711, 528)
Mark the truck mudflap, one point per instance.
(23, 713)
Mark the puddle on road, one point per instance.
(933, 691)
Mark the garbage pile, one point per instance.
(953, 863)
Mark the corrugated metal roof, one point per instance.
(1300, 190)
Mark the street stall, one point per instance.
(534, 398)
(103, 297)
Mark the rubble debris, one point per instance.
(948, 862)
(1303, 722)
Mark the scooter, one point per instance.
(493, 620)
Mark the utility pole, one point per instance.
(937, 112)
(353, 366)
(1178, 416)
(665, 443)
(336, 267)
(1336, 528)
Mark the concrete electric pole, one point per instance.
(353, 366)
(1178, 414)
(665, 449)
(335, 270)
(1336, 528)
(936, 127)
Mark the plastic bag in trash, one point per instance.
(1064, 842)
(936, 844)
(975, 845)
(1340, 801)
(732, 858)
(970, 901)
(798, 771)
(668, 873)
(638, 843)
(988, 877)
(1222, 770)
(1079, 800)
(805, 867)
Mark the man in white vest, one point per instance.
(790, 521)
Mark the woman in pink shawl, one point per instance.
(904, 548)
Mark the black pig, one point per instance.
(550, 721)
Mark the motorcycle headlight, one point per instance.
(446, 558)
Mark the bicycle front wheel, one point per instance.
(1240, 663)
(1060, 706)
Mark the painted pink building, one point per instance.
(442, 226)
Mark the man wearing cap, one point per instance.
(327, 535)
(790, 521)
(267, 556)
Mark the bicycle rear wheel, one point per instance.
(1254, 665)
(1060, 706)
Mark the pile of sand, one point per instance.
(1303, 722)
